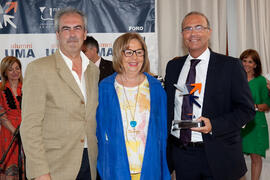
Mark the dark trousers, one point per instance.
(189, 162)
(98, 176)
(84, 173)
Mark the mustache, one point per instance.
(73, 39)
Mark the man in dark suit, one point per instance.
(91, 49)
(222, 102)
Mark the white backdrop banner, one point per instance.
(27, 31)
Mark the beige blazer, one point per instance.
(55, 119)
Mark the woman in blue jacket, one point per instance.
(131, 117)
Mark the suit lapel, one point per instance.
(171, 78)
(210, 77)
(101, 63)
(102, 66)
(87, 77)
(66, 75)
(178, 69)
(209, 86)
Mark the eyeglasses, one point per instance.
(129, 52)
(198, 28)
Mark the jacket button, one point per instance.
(82, 140)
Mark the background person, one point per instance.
(213, 151)
(131, 117)
(59, 107)
(10, 103)
(255, 133)
(268, 84)
(91, 49)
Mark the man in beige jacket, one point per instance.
(60, 97)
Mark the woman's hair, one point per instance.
(121, 44)
(5, 64)
(255, 57)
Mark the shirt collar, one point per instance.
(205, 56)
(97, 63)
(85, 61)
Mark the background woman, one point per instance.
(255, 134)
(10, 101)
(268, 86)
(131, 117)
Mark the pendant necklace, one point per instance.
(133, 122)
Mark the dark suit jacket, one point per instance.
(105, 68)
(227, 103)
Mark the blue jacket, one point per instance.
(112, 157)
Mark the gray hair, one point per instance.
(68, 10)
(196, 13)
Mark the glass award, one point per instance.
(189, 119)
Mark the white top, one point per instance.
(201, 72)
(80, 82)
(135, 111)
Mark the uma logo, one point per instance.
(7, 19)
(47, 14)
(20, 50)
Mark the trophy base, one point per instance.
(187, 124)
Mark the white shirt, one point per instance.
(201, 72)
(80, 82)
(97, 63)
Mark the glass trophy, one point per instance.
(189, 118)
